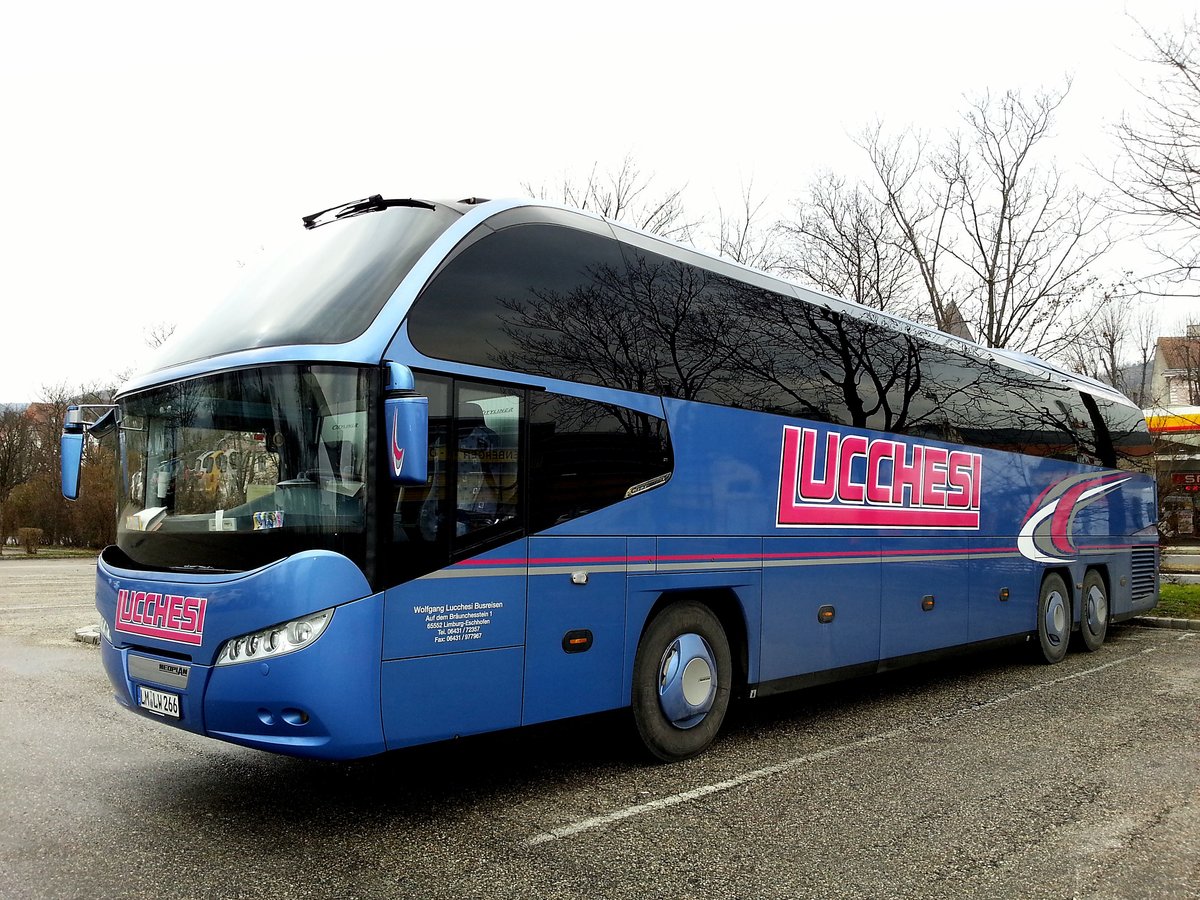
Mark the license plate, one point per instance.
(158, 702)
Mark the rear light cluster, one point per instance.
(274, 641)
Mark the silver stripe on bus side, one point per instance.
(739, 565)
(480, 572)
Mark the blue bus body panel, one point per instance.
(803, 574)
(433, 698)
(320, 701)
(235, 604)
(911, 571)
(992, 568)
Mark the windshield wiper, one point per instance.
(374, 203)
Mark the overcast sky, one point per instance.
(150, 150)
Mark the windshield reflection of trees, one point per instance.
(198, 447)
(667, 327)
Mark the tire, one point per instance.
(682, 675)
(1054, 618)
(1093, 611)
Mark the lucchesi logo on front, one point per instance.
(169, 617)
(851, 481)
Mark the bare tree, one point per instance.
(743, 237)
(1097, 350)
(843, 241)
(157, 334)
(1157, 177)
(625, 195)
(16, 448)
(991, 231)
(920, 195)
(1144, 334)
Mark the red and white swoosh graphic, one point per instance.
(1046, 534)
(397, 450)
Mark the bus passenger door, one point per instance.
(575, 632)
(454, 624)
(452, 654)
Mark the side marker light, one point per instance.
(577, 641)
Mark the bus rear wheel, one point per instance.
(682, 675)
(1093, 612)
(1054, 618)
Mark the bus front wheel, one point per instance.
(682, 675)
(1054, 618)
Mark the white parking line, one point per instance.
(4, 609)
(629, 812)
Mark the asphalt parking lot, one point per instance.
(986, 776)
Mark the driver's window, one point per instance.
(472, 495)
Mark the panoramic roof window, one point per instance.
(326, 288)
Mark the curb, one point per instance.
(1164, 622)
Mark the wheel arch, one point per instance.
(727, 607)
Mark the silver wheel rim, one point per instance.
(1056, 622)
(1097, 609)
(687, 681)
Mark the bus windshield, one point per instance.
(233, 471)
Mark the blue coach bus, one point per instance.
(450, 468)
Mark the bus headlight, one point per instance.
(274, 641)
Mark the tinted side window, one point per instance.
(1126, 429)
(542, 299)
(1052, 422)
(552, 300)
(724, 341)
(689, 324)
(585, 455)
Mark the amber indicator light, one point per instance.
(825, 615)
(577, 641)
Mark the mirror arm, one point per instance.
(105, 422)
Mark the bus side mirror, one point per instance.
(75, 427)
(406, 426)
(71, 446)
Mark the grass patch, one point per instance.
(14, 553)
(1178, 601)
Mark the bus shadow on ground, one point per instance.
(452, 780)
